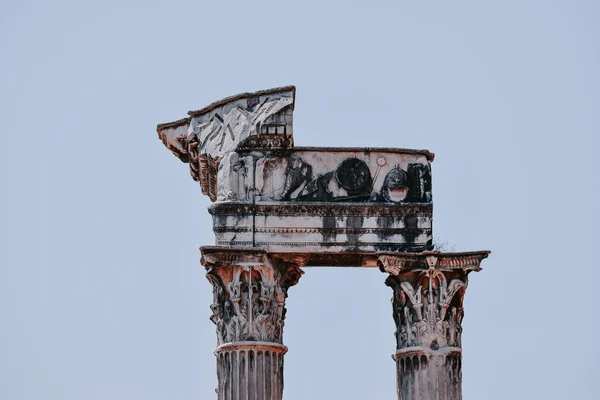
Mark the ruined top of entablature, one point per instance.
(260, 121)
(227, 124)
(242, 134)
(272, 195)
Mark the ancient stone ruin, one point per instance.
(278, 208)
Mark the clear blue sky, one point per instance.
(102, 295)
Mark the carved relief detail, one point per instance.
(352, 181)
(249, 300)
(332, 209)
(428, 305)
(267, 142)
(395, 264)
(194, 159)
(208, 167)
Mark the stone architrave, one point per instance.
(277, 208)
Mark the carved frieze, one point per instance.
(319, 176)
(249, 292)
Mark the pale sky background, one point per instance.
(102, 296)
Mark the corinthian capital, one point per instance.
(249, 292)
(428, 296)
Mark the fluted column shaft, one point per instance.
(249, 292)
(428, 310)
(250, 370)
(425, 375)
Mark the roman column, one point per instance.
(277, 208)
(249, 292)
(427, 304)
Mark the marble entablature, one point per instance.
(267, 193)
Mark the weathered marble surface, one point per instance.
(338, 175)
(250, 371)
(323, 227)
(278, 208)
(269, 194)
(249, 292)
(224, 125)
(250, 288)
(247, 121)
(427, 303)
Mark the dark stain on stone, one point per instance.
(329, 228)
(385, 221)
(220, 220)
(410, 223)
(429, 245)
(396, 247)
(354, 223)
(388, 225)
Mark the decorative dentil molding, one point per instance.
(421, 210)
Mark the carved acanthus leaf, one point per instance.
(414, 296)
(249, 300)
(432, 315)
